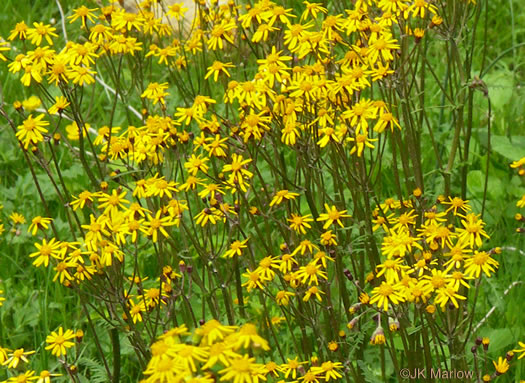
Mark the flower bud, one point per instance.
(350, 325)
(378, 337)
(80, 335)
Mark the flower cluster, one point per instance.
(230, 352)
(433, 253)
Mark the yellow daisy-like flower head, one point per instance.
(59, 342)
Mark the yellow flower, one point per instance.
(472, 230)
(332, 215)
(17, 218)
(304, 246)
(384, 294)
(196, 164)
(360, 142)
(156, 92)
(15, 357)
(328, 134)
(300, 223)
(392, 269)
(177, 10)
(235, 249)
(32, 130)
(100, 33)
(281, 195)
(287, 263)
(455, 204)
(243, 370)
(247, 337)
(27, 376)
(212, 215)
(216, 68)
(159, 187)
(83, 13)
(238, 171)
(126, 20)
(328, 238)
(283, 297)
(399, 243)
(156, 224)
(290, 367)
(419, 8)
(330, 370)
(333, 346)
(31, 103)
(73, 131)
(522, 350)
(45, 377)
(59, 342)
(221, 32)
(278, 13)
(46, 249)
(19, 31)
(359, 114)
(58, 70)
(188, 354)
(254, 280)
(262, 33)
(112, 203)
(502, 366)
(378, 337)
(289, 134)
(314, 290)
(382, 46)
(81, 75)
(41, 31)
(61, 103)
(80, 201)
(478, 262)
(213, 331)
(312, 10)
(153, 297)
(310, 273)
(446, 294)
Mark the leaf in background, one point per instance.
(501, 338)
(476, 184)
(501, 86)
(512, 150)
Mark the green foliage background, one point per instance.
(34, 307)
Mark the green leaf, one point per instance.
(476, 184)
(413, 330)
(501, 338)
(513, 150)
(97, 372)
(501, 86)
